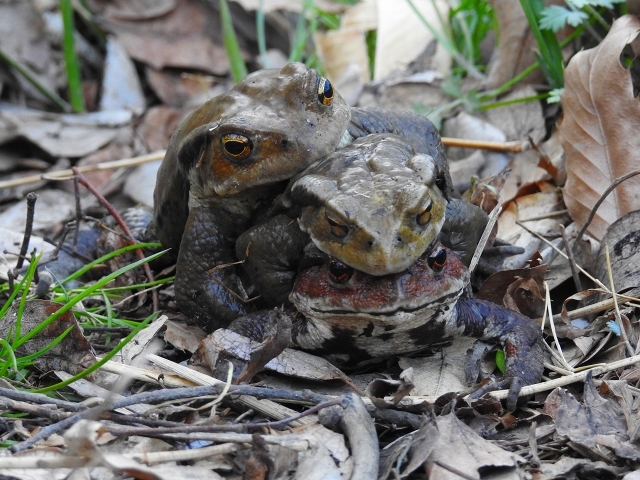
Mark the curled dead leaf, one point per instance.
(598, 131)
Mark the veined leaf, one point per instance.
(594, 3)
(556, 18)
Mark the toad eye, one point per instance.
(325, 91)
(424, 216)
(437, 260)
(237, 146)
(338, 228)
(339, 272)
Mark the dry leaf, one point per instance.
(72, 354)
(187, 37)
(401, 30)
(523, 209)
(599, 130)
(290, 362)
(522, 286)
(622, 240)
(441, 373)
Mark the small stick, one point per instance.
(454, 470)
(76, 193)
(68, 173)
(572, 260)
(623, 331)
(211, 272)
(516, 147)
(560, 252)
(11, 279)
(493, 218)
(606, 193)
(552, 325)
(31, 208)
(158, 155)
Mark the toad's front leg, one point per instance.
(204, 292)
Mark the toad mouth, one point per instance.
(442, 301)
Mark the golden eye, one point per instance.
(424, 216)
(325, 91)
(339, 272)
(437, 260)
(236, 146)
(338, 228)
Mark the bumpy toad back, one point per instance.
(374, 205)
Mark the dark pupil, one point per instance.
(337, 229)
(428, 207)
(440, 181)
(437, 260)
(234, 147)
(328, 89)
(340, 272)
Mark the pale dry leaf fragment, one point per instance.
(622, 240)
(441, 373)
(289, 362)
(473, 453)
(73, 353)
(183, 337)
(522, 209)
(401, 30)
(599, 130)
(121, 88)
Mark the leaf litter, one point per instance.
(597, 426)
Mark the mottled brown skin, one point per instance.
(199, 184)
(375, 204)
(278, 110)
(206, 194)
(359, 316)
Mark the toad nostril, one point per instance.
(399, 239)
(370, 243)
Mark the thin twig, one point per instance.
(493, 218)
(560, 252)
(544, 216)
(623, 331)
(515, 147)
(31, 209)
(222, 266)
(606, 193)
(552, 324)
(454, 470)
(68, 173)
(572, 260)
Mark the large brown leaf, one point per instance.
(599, 131)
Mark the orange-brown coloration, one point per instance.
(418, 285)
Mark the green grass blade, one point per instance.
(104, 258)
(98, 364)
(551, 61)
(42, 351)
(302, 33)
(70, 58)
(23, 299)
(86, 293)
(31, 78)
(12, 358)
(236, 62)
(260, 33)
